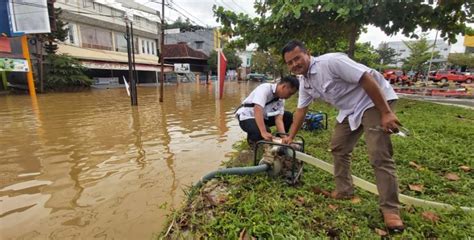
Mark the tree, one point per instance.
(65, 71)
(420, 54)
(386, 54)
(184, 26)
(328, 25)
(366, 54)
(233, 61)
(48, 41)
(268, 62)
(462, 60)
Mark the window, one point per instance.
(248, 62)
(153, 48)
(136, 20)
(71, 34)
(143, 46)
(199, 44)
(148, 47)
(121, 43)
(87, 3)
(96, 38)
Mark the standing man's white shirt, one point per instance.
(261, 95)
(334, 77)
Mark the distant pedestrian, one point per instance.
(365, 101)
(264, 107)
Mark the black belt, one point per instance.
(253, 104)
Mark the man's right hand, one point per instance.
(287, 140)
(267, 136)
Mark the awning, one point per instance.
(124, 66)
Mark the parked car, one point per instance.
(257, 77)
(395, 76)
(451, 75)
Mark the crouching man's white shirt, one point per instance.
(261, 95)
(334, 78)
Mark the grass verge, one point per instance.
(436, 158)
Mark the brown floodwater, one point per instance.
(89, 166)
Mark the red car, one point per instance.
(450, 75)
(395, 76)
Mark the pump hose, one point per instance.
(234, 171)
(368, 186)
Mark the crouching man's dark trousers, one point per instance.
(253, 133)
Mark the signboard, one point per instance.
(13, 65)
(182, 68)
(28, 16)
(172, 31)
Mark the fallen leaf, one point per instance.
(413, 164)
(431, 216)
(243, 235)
(355, 200)
(416, 187)
(333, 207)
(300, 201)
(323, 192)
(452, 176)
(465, 168)
(381, 232)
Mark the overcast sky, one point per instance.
(200, 12)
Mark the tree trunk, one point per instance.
(352, 39)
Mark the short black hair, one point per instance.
(291, 80)
(292, 45)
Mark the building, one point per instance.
(469, 44)
(204, 40)
(404, 52)
(97, 38)
(182, 53)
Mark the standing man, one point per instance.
(264, 107)
(365, 101)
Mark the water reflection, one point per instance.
(88, 165)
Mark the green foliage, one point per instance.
(366, 54)
(326, 26)
(268, 208)
(184, 26)
(386, 54)
(420, 55)
(268, 62)
(60, 34)
(233, 61)
(64, 71)
(461, 59)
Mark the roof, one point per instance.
(182, 50)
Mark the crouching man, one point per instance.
(265, 107)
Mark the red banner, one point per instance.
(222, 62)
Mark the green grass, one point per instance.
(441, 142)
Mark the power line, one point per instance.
(226, 5)
(239, 7)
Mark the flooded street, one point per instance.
(89, 166)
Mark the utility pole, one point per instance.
(133, 93)
(135, 74)
(162, 44)
(431, 58)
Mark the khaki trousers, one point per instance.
(380, 153)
